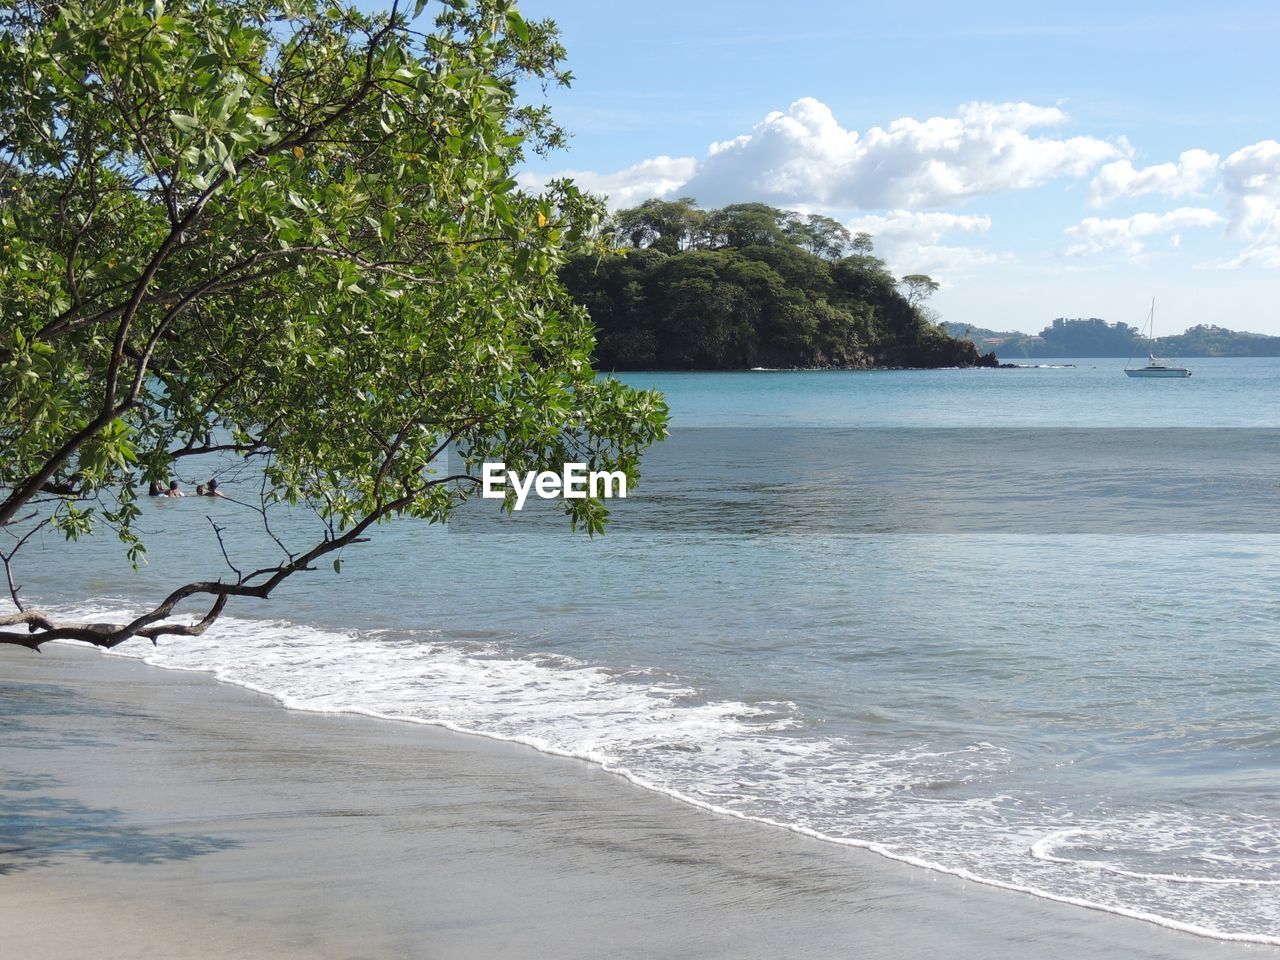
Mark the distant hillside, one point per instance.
(752, 286)
(1093, 337)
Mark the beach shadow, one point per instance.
(26, 710)
(37, 830)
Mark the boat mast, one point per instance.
(1151, 330)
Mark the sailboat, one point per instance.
(1155, 366)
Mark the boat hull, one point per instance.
(1180, 372)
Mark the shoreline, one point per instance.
(862, 846)
(449, 845)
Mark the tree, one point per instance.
(665, 225)
(745, 225)
(919, 288)
(821, 236)
(285, 233)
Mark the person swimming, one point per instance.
(173, 490)
(211, 488)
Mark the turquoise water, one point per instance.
(1090, 718)
(1093, 393)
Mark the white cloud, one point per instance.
(946, 264)
(804, 159)
(1248, 182)
(917, 226)
(1254, 169)
(1251, 180)
(910, 241)
(804, 156)
(1251, 183)
(1265, 255)
(1190, 175)
(658, 177)
(1128, 234)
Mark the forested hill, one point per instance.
(751, 286)
(1094, 337)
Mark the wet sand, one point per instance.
(154, 813)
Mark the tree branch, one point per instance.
(42, 627)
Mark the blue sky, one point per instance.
(1040, 160)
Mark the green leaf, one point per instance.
(184, 122)
(517, 26)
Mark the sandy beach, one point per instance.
(157, 813)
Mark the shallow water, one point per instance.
(1085, 715)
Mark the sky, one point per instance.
(1039, 160)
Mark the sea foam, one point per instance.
(764, 761)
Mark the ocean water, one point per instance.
(1027, 700)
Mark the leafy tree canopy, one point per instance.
(673, 226)
(918, 287)
(287, 232)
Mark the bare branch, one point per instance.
(217, 531)
(43, 628)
